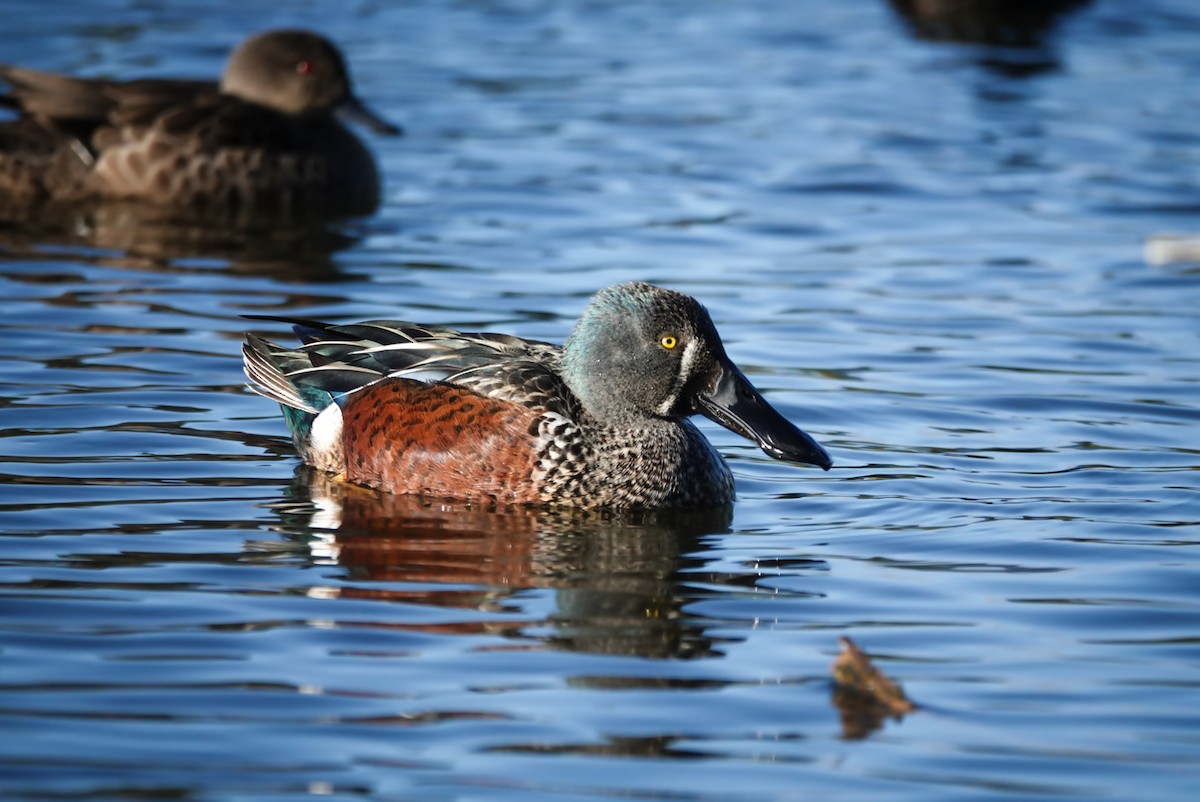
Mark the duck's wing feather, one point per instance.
(495, 365)
(195, 117)
(102, 114)
(57, 98)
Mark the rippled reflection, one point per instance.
(253, 244)
(614, 576)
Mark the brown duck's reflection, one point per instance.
(1025, 26)
(261, 244)
(615, 577)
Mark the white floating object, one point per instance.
(1165, 249)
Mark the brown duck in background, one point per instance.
(267, 138)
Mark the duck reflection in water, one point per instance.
(140, 238)
(615, 576)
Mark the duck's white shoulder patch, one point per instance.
(327, 428)
(324, 446)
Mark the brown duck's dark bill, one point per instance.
(735, 404)
(356, 111)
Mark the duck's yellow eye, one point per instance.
(668, 342)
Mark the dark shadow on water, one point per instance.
(615, 577)
(1014, 38)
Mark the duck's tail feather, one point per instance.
(308, 395)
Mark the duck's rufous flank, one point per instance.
(601, 422)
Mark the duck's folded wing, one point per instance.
(190, 117)
(494, 365)
(51, 97)
(143, 101)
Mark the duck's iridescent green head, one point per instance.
(640, 351)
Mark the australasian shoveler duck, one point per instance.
(601, 422)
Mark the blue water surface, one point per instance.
(939, 245)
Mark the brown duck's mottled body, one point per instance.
(598, 423)
(265, 138)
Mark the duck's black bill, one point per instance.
(358, 112)
(733, 402)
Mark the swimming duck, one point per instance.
(600, 422)
(265, 138)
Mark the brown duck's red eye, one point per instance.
(304, 67)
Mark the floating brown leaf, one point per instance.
(864, 695)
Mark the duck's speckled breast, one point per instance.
(655, 464)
